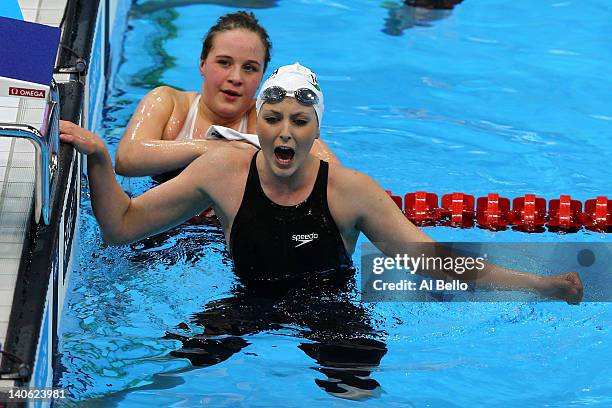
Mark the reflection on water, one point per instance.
(185, 244)
(337, 333)
(156, 5)
(433, 4)
(413, 13)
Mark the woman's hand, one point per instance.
(83, 140)
(567, 286)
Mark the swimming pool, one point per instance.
(496, 96)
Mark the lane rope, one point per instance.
(528, 213)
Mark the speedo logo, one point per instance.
(304, 238)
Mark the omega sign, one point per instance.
(30, 93)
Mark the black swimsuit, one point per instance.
(270, 242)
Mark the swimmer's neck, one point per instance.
(284, 189)
(210, 116)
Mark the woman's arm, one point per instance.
(141, 151)
(386, 227)
(122, 219)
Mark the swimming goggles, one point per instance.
(304, 96)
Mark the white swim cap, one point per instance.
(292, 78)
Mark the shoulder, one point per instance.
(166, 96)
(353, 193)
(168, 91)
(349, 195)
(223, 158)
(160, 99)
(219, 171)
(163, 92)
(344, 180)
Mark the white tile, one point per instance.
(22, 174)
(24, 145)
(12, 234)
(29, 3)
(50, 17)
(4, 158)
(8, 252)
(3, 328)
(29, 15)
(8, 114)
(9, 267)
(32, 117)
(9, 102)
(50, 14)
(19, 189)
(5, 312)
(57, 9)
(8, 280)
(55, 4)
(39, 108)
(29, 7)
(16, 204)
(5, 144)
(13, 220)
(6, 296)
(23, 159)
(31, 103)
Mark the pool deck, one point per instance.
(17, 170)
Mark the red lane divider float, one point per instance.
(564, 214)
(528, 213)
(493, 212)
(421, 208)
(596, 214)
(458, 210)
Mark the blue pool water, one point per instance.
(494, 96)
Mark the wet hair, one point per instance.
(244, 20)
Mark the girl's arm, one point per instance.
(122, 219)
(387, 227)
(142, 152)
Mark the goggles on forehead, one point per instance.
(304, 96)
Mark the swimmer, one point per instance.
(166, 132)
(284, 212)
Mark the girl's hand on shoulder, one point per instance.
(83, 140)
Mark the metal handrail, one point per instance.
(46, 143)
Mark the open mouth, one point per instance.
(284, 155)
(231, 93)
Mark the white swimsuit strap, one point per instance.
(186, 132)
